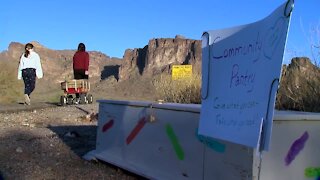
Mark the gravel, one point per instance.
(49, 144)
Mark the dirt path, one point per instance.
(45, 141)
(17, 107)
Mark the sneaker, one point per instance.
(26, 99)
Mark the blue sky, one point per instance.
(113, 26)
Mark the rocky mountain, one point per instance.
(159, 55)
(156, 57)
(299, 83)
(57, 64)
(129, 77)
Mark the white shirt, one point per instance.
(32, 61)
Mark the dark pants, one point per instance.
(29, 79)
(79, 74)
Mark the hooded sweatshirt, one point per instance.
(32, 61)
(81, 60)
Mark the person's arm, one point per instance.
(73, 61)
(86, 64)
(39, 71)
(20, 68)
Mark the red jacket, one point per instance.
(81, 60)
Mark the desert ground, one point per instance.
(46, 141)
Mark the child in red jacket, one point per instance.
(81, 64)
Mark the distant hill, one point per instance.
(155, 58)
(109, 75)
(57, 64)
(131, 77)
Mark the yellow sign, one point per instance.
(181, 71)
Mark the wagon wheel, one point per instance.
(70, 99)
(90, 98)
(83, 99)
(63, 100)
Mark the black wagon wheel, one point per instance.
(70, 99)
(90, 98)
(63, 100)
(83, 99)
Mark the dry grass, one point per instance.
(299, 87)
(10, 87)
(185, 90)
(300, 97)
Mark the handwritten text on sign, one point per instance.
(239, 68)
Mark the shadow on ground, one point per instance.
(80, 139)
(26, 154)
(110, 71)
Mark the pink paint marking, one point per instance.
(108, 125)
(136, 130)
(296, 147)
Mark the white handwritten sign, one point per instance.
(240, 74)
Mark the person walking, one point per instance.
(80, 65)
(29, 68)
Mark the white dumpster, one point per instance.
(160, 141)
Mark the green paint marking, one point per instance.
(174, 141)
(312, 172)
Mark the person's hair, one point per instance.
(81, 47)
(27, 48)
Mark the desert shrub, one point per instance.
(300, 97)
(185, 90)
(10, 87)
(299, 86)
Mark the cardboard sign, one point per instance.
(181, 71)
(240, 75)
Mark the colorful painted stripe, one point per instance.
(312, 172)
(174, 141)
(212, 144)
(136, 130)
(108, 125)
(295, 148)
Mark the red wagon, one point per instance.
(71, 87)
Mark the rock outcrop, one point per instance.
(298, 72)
(299, 86)
(155, 58)
(159, 55)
